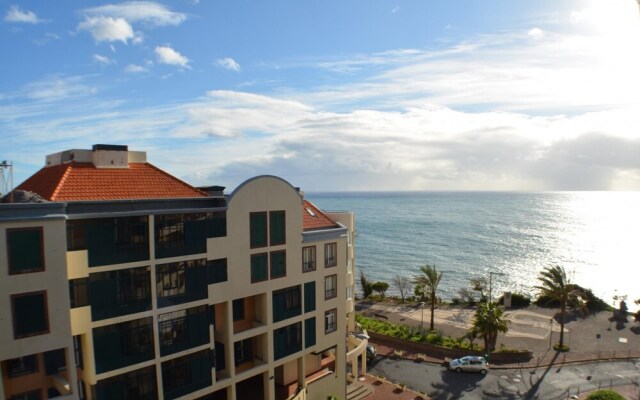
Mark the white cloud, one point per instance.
(228, 64)
(16, 14)
(134, 68)
(56, 88)
(167, 55)
(146, 12)
(104, 60)
(107, 29)
(536, 33)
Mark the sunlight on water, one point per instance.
(594, 235)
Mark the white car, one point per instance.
(469, 363)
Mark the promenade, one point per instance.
(590, 338)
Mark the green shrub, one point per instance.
(605, 394)
(518, 300)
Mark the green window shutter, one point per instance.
(259, 270)
(277, 227)
(310, 332)
(25, 250)
(258, 229)
(309, 296)
(278, 264)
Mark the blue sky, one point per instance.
(332, 95)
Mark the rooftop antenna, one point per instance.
(6, 186)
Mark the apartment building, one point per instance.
(124, 282)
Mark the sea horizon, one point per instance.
(469, 234)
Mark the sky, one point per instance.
(332, 95)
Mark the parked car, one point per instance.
(371, 352)
(469, 363)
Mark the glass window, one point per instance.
(123, 344)
(259, 271)
(172, 327)
(181, 282)
(78, 294)
(330, 286)
(25, 250)
(22, 366)
(278, 264)
(238, 309)
(258, 229)
(170, 279)
(119, 292)
(277, 228)
(330, 320)
(217, 271)
(243, 351)
(30, 315)
(310, 296)
(287, 340)
(308, 259)
(134, 385)
(330, 255)
(286, 303)
(309, 332)
(32, 395)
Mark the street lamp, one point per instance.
(491, 273)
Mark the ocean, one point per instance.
(595, 236)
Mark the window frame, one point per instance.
(41, 267)
(331, 293)
(46, 314)
(328, 326)
(330, 248)
(20, 366)
(312, 262)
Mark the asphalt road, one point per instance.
(549, 383)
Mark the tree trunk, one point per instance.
(433, 307)
(563, 307)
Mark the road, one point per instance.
(540, 383)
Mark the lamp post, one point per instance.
(491, 273)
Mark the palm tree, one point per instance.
(555, 285)
(429, 281)
(488, 322)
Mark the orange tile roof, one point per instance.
(82, 181)
(318, 220)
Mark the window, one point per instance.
(181, 282)
(330, 255)
(30, 315)
(22, 366)
(258, 229)
(182, 234)
(186, 374)
(330, 286)
(287, 340)
(170, 279)
(25, 250)
(119, 292)
(308, 259)
(309, 296)
(183, 329)
(278, 264)
(243, 351)
(238, 309)
(331, 320)
(286, 303)
(217, 271)
(259, 271)
(172, 327)
(77, 351)
(78, 292)
(110, 240)
(277, 228)
(123, 344)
